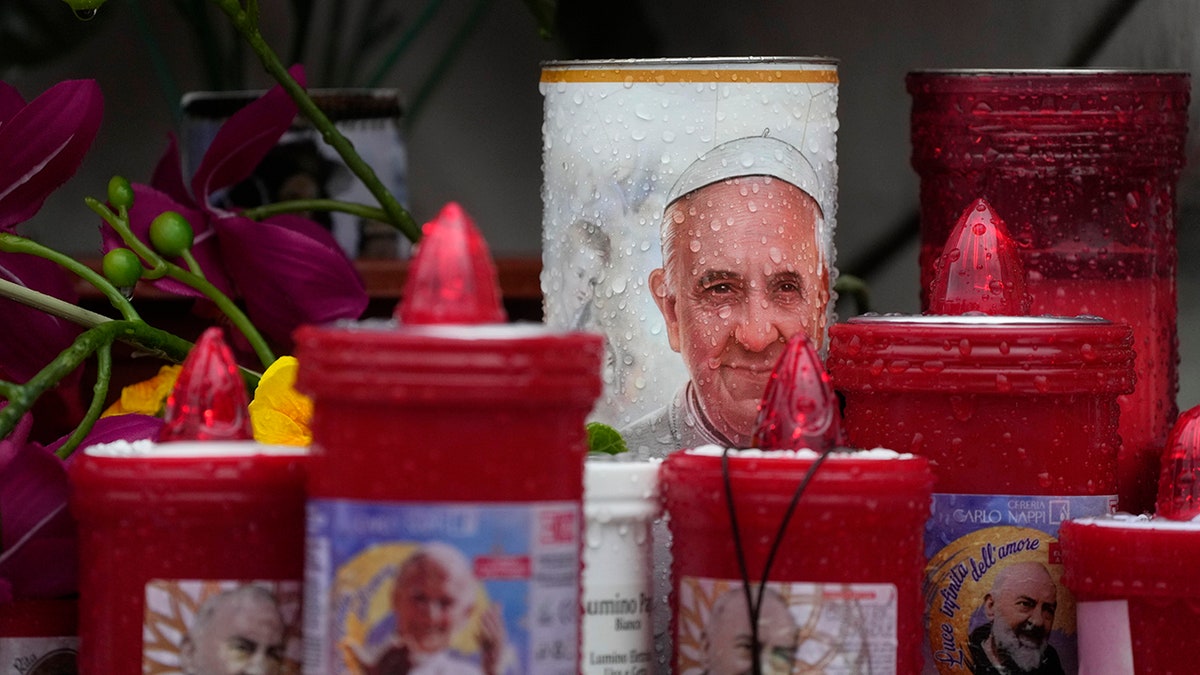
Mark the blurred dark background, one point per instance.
(469, 69)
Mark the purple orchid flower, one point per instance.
(288, 270)
(42, 144)
(36, 531)
(38, 541)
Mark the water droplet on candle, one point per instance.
(1003, 385)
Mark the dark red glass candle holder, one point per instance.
(1082, 165)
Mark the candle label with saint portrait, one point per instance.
(38, 655)
(993, 586)
(828, 627)
(190, 623)
(470, 587)
(725, 166)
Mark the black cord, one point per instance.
(754, 604)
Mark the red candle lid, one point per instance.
(979, 269)
(799, 408)
(981, 354)
(452, 278)
(209, 401)
(1129, 556)
(1179, 483)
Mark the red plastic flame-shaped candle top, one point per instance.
(979, 270)
(452, 278)
(799, 409)
(1179, 484)
(209, 402)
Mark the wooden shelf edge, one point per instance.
(519, 276)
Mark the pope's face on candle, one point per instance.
(1021, 606)
(742, 274)
(432, 602)
(728, 648)
(239, 632)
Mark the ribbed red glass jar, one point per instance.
(1013, 405)
(852, 548)
(1082, 165)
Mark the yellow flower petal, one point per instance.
(146, 397)
(280, 414)
(272, 427)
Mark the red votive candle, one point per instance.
(1083, 167)
(1018, 418)
(445, 506)
(448, 458)
(843, 592)
(182, 546)
(1138, 592)
(40, 633)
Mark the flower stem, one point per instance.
(120, 224)
(239, 319)
(301, 205)
(99, 393)
(143, 336)
(17, 244)
(193, 276)
(247, 26)
(23, 397)
(51, 304)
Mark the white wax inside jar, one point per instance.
(1142, 522)
(188, 449)
(840, 453)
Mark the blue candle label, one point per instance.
(39, 655)
(831, 628)
(221, 626)
(995, 601)
(436, 587)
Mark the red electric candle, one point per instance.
(1138, 592)
(40, 633)
(1083, 165)
(188, 544)
(851, 548)
(447, 457)
(1018, 418)
(799, 408)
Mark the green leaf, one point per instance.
(605, 439)
(543, 12)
